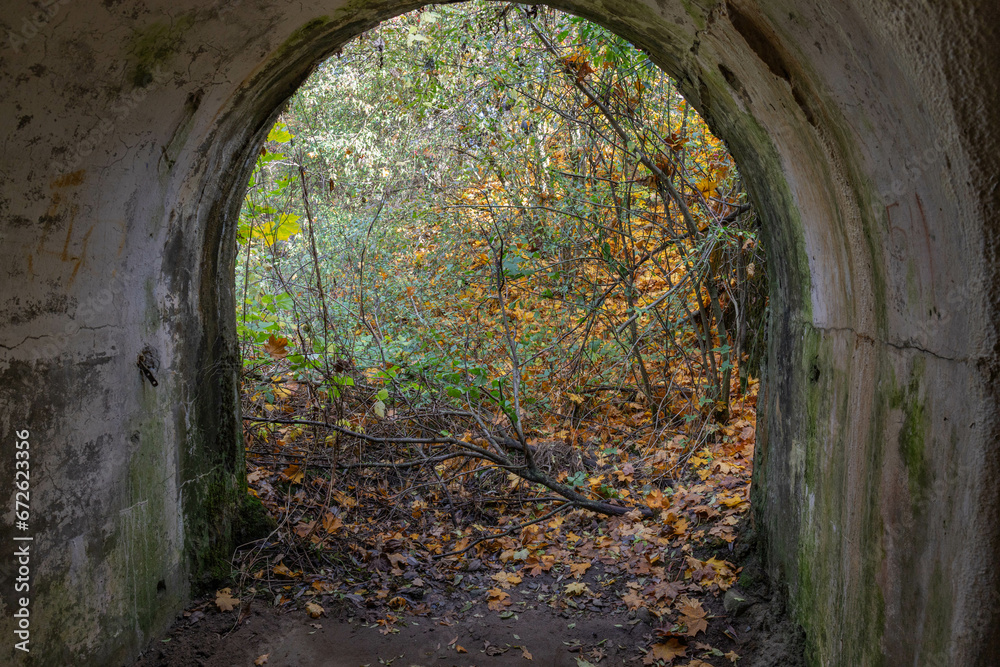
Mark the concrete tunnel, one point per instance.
(868, 132)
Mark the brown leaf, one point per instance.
(314, 610)
(692, 608)
(668, 651)
(667, 591)
(396, 560)
(302, 529)
(225, 601)
(276, 347)
(633, 600)
(294, 474)
(498, 599)
(525, 654)
(331, 523)
(694, 625)
(261, 659)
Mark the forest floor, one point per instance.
(745, 628)
(351, 575)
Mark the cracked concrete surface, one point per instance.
(868, 132)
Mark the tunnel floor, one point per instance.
(742, 627)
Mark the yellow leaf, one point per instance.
(282, 569)
(731, 501)
(506, 579)
(315, 611)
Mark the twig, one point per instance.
(507, 532)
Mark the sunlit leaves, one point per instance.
(279, 133)
(280, 228)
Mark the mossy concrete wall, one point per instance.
(869, 131)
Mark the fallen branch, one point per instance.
(528, 472)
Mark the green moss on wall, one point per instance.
(913, 435)
(152, 45)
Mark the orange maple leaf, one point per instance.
(276, 347)
(668, 651)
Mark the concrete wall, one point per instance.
(869, 131)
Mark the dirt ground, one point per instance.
(462, 631)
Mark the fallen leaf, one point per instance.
(302, 529)
(498, 599)
(692, 608)
(331, 523)
(315, 611)
(492, 649)
(526, 654)
(731, 501)
(293, 474)
(225, 601)
(261, 659)
(507, 579)
(668, 651)
(282, 569)
(633, 600)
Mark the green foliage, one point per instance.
(449, 172)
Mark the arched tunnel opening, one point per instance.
(865, 133)
(475, 324)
